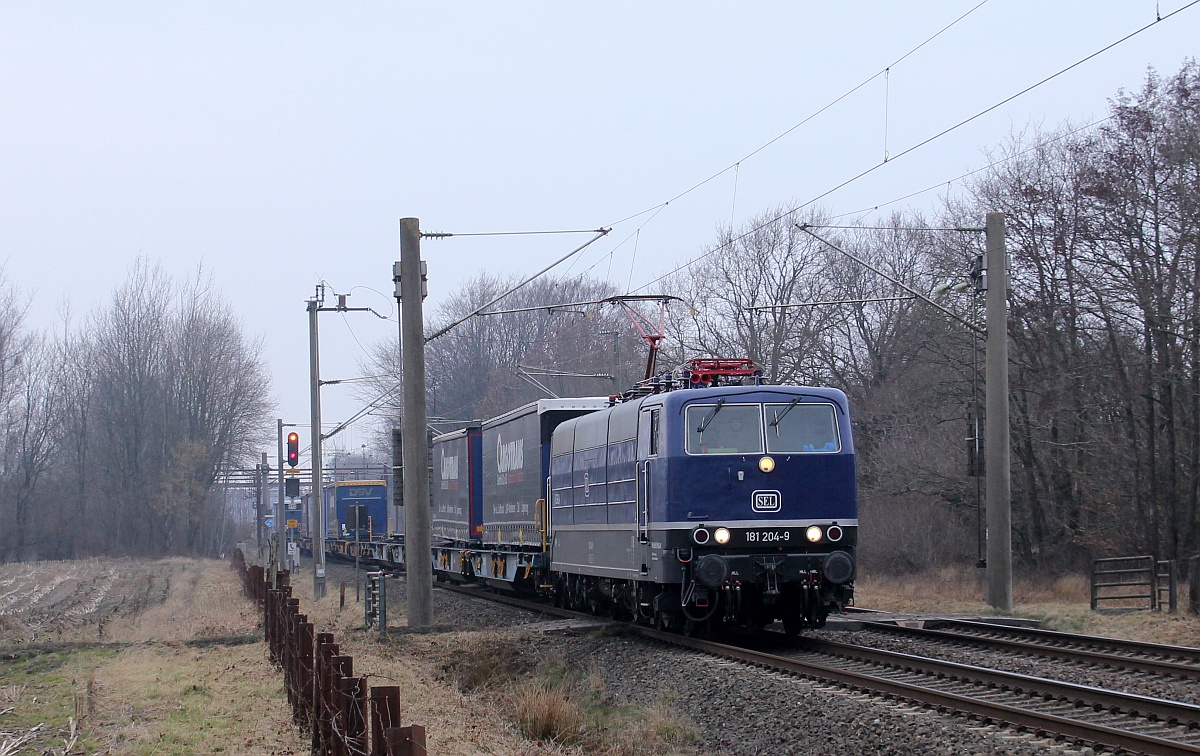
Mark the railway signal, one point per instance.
(293, 449)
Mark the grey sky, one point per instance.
(278, 144)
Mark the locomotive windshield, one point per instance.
(724, 429)
(801, 428)
(790, 428)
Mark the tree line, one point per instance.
(115, 431)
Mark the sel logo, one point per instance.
(766, 501)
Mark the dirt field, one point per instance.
(115, 600)
(133, 657)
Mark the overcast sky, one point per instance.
(278, 144)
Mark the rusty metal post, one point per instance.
(405, 741)
(353, 695)
(1194, 587)
(306, 674)
(267, 627)
(326, 650)
(385, 714)
(273, 625)
(290, 663)
(340, 668)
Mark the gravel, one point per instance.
(735, 709)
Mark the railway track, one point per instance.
(1075, 713)
(1111, 653)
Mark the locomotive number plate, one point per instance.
(768, 536)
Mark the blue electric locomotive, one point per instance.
(730, 502)
(706, 497)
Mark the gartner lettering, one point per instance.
(509, 456)
(449, 467)
(510, 460)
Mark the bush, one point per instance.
(899, 534)
(544, 711)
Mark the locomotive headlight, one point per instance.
(700, 536)
(766, 464)
(813, 534)
(721, 535)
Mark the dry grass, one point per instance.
(543, 711)
(157, 696)
(485, 660)
(176, 700)
(204, 600)
(1059, 603)
(485, 692)
(456, 723)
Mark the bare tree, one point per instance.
(28, 410)
(738, 291)
(476, 370)
(158, 391)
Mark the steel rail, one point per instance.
(1034, 645)
(1185, 714)
(978, 708)
(1186, 654)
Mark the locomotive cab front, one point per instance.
(755, 500)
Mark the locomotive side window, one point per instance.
(724, 429)
(796, 427)
(654, 433)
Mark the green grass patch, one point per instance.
(50, 690)
(162, 699)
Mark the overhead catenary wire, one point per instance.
(968, 229)
(448, 235)
(599, 233)
(868, 300)
(852, 179)
(736, 166)
(806, 119)
(973, 326)
(1007, 158)
(375, 403)
(919, 145)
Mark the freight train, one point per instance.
(700, 498)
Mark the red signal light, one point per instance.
(293, 449)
